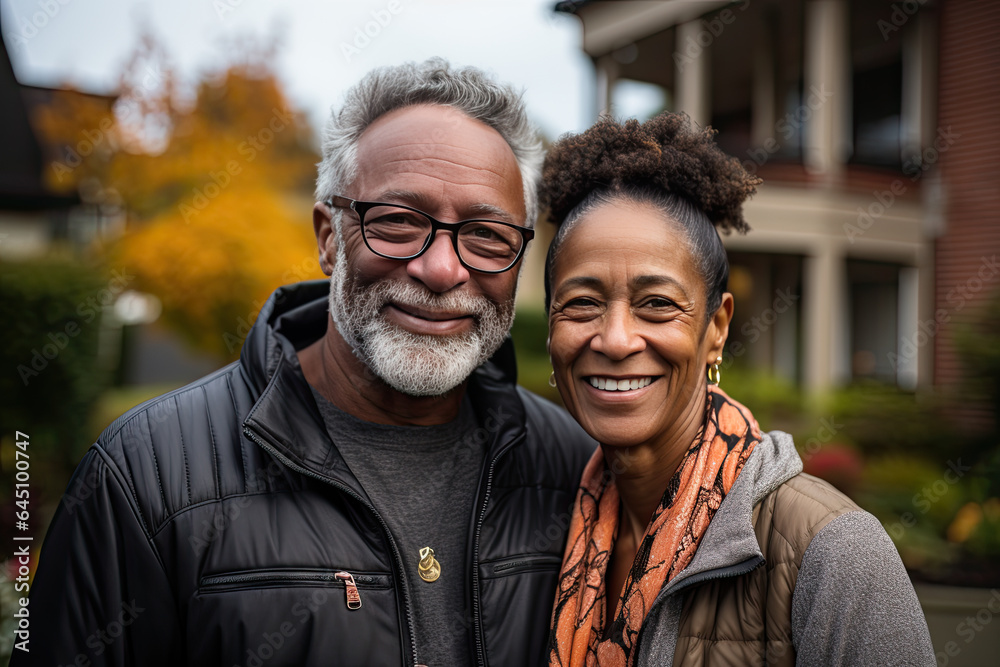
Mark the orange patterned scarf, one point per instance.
(695, 492)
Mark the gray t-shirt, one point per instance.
(423, 481)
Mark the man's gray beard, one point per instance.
(414, 364)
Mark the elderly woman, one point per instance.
(695, 538)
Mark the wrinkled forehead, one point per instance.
(619, 245)
(440, 143)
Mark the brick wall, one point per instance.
(969, 104)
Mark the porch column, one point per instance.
(693, 94)
(826, 319)
(607, 73)
(826, 95)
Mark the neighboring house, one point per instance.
(31, 215)
(875, 128)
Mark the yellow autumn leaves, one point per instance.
(216, 192)
(213, 271)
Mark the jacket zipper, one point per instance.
(736, 570)
(353, 596)
(480, 640)
(395, 551)
(351, 590)
(215, 580)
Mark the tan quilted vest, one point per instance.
(747, 620)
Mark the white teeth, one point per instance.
(610, 384)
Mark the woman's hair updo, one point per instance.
(664, 162)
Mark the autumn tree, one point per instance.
(217, 191)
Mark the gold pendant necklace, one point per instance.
(428, 568)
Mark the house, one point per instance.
(873, 125)
(32, 216)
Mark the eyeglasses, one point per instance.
(395, 231)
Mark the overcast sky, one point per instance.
(85, 43)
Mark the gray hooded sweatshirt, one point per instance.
(853, 603)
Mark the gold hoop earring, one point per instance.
(552, 379)
(714, 374)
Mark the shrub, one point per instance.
(530, 331)
(52, 314)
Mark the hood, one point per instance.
(293, 317)
(730, 538)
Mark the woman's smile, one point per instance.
(619, 385)
(629, 337)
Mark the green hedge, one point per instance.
(51, 376)
(530, 331)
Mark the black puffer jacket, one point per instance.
(208, 526)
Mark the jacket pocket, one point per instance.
(284, 578)
(516, 606)
(503, 567)
(294, 616)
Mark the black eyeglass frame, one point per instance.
(362, 207)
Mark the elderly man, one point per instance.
(364, 487)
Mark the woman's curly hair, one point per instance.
(664, 153)
(664, 162)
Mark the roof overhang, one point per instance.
(609, 25)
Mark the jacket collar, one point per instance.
(730, 539)
(285, 415)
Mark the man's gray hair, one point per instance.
(469, 90)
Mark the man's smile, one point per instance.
(423, 321)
